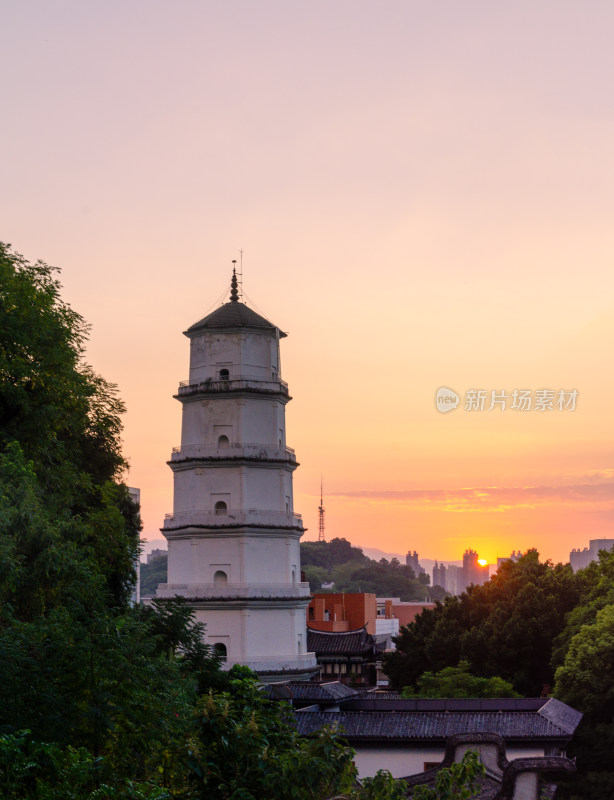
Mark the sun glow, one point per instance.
(482, 562)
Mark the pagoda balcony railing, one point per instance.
(235, 384)
(244, 450)
(214, 591)
(231, 517)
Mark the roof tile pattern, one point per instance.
(327, 643)
(232, 315)
(405, 725)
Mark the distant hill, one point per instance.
(349, 569)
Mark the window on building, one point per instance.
(220, 577)
(312, 613)
(222, 441)
(219, 648)
(221, 507)
(224, 374)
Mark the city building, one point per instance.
(473, 572)
(233, 537)
(157, 552)
(342, 612)
(439, 575)
(454, 579)
(403, 611)
(582, 558)
(135, 596)
(514, 556)
(411, 560)
(336, 612)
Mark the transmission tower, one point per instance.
(321, 537)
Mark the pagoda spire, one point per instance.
(234, 291)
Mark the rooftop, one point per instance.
(340, 642)
(233, 314)
(439, 719)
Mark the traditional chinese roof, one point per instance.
(324, 643)
(406, 725)
(234, 315)
(330, 692)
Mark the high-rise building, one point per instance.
(454, 579)
(233, 536)
(582, 558)
(411, 560)
(473, 572)
(514, 556)
(439, 575)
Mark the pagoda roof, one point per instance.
(233, 315)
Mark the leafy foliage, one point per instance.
(245, 747)
(152, 574)
(459, 682)
(584, 656)
(457, 782)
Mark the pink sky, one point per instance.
(424, 194)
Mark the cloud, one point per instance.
(600, 475)
(492, 498)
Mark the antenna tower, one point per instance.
(321, 537)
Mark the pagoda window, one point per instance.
(220, 650)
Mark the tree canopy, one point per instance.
(459, 682)
(583, 656)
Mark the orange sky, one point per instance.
(424, 194)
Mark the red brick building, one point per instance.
(338, 613)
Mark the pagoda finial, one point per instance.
(234, 291)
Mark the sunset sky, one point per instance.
(424, 196)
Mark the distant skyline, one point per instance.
(424, 195)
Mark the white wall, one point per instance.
(402, 762)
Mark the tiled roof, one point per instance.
(320, 692)
(342, 643)
(561, 715)
(232, 315)
(403, 725)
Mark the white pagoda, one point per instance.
(233, 536)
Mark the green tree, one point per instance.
(66, 418)
(585, 680)
(152, 574)
(459, 682)
(78, 666)
(316, 576)
(246, 747)
(457, 782)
